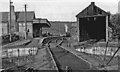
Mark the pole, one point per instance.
(113, 55)
(18, 57)
(105, 53)
(107, 28)
(25, 22)
(10, 21)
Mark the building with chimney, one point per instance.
(18, 22)
(5, 21)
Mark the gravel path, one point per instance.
(65, 58)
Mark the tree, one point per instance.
(115, 21)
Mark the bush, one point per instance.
(6, 38)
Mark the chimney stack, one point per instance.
(119, 7)
(13, 19)
(93, 3)
(12, 9)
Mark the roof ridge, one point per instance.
(4, 12)
(63, 21)
(24, 11)
(87, 13)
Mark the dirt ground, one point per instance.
(40, 61)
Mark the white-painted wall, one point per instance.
(22, 29)
(0, 28)
(4, 28)
(99, 50)
(15, 52)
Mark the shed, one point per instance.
(92, 23)
(38, 24)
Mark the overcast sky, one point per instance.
(58, 10)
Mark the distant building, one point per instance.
(17, 23)
(39, 25)
(119, 7)
(58, 27)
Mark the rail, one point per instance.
(56, 67)
(49, 50)
(46, 41)
(52, 56)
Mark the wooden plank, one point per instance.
(106, 28)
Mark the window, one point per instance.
(20, 24)
(94, 18)
(23, 24)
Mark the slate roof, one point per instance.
(92, 10)
(4, 16)
(20, 16)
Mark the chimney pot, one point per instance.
(12, 8)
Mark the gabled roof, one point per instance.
(92, 10)
(20, 16)
(4, 16)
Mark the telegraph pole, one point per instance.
(10, 21)
(25, 22)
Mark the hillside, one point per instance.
(58, 27)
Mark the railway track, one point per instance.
(23, 68)
(53, 59)
(64, 60)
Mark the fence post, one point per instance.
(18, 56)
(66, 68)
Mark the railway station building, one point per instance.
(18, 23)
(38, 24)
(93, 23)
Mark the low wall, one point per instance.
(19, 43)
(16, 52)
(99, 50)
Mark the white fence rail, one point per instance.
(99, 50)
(15, 52)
